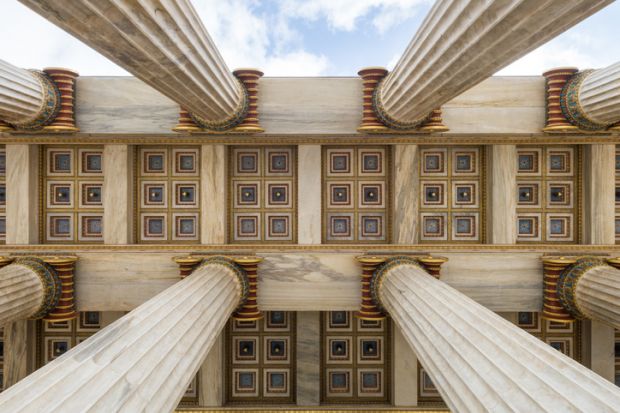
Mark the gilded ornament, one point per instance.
(49, 279)
(50, 104)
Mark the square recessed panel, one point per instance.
(279, 194)
(279, 161)
(340, 194)
(154, 162)
(2, 226)
(371, 194)
(247, 226)
(528, 195)
(434, 162)
(60, 162)
(465, 195)
(529, 321)
(185, 162)
(560, 161)
(154, 227)
(276, 321)
(340, 162)
(60, 194)
(529, 227)
(89, 321)
(465, 162)
(246, 194)
(239, 325)
(560, 194)
(58, 327)
(278, 227)
(245, 350)
(245, 382)
(434, 194)
(90, 227)
(617, 195)
(370, 350)
(91, 194)
(56, 347)
(154, 194)
(617, 162)
(338, 350)
(370, 325)
(371, 226)
(185, 194)
(247, 162)
(528, 161)
(559, 227)
(339, 321)
(427, 387)
(60, 227)
(2, 162)
(340, 227)
(465, 226)
(90, 162)
(434, 226)
(338, 383)
(370, 382)
(276, 350)
(563, 344)
(185, 226)
(371, 162)
(276, 382)
(556, 327)
(617, 227)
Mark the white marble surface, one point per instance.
(142, 362)
(506, 368)
(599, 194)
(117, 194)
(15, 363)
(308, 358)
(213, 187)
(405, 362)
(210, 383)
(406, 172)
(503, 194)
(332, 106)
(597, 294)
(599, 348)
(309, 181)
(599, 95)
(21, 293)
(22, 194)
(310, 281)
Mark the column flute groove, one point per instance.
(164, 44)
(478, 360)
(463, 42)
(144, 360)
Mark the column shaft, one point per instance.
(163, 43)
(21, 94)
(142, 362)
(15, 352)
(599, 95)
(597, 294)
(461, 43)
(478, 360)
(21, 293)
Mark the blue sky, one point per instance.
(304, 38)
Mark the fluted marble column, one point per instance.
(478, 360)
(28, 289)
(164, 44)
(28, 99)
(591, 289)
(591, 99)
(145, 360)
(461, 43)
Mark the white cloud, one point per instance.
(267, 42)
(345, 14)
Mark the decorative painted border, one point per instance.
(50, 281)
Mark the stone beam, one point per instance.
(463, 42)
(145, 360)
(505, 368)
(590, 99)
(162, 43)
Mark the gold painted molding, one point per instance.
(392, 249)
(302, 410)
(296, 139)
